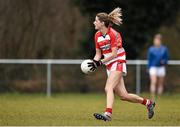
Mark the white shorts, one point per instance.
(157, 71)
(117, 66)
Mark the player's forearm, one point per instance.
(97, 57)
(112, 56)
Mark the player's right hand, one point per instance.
(94, 64)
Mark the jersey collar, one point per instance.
(108, 31)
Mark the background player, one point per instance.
(157, 60)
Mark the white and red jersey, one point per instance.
(106, 42)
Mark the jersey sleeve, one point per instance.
(95, 40)
(165, 55)
(113, 40)
(116, 40)
(119, 40)
(149, 58)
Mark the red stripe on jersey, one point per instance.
(109, 51)
(119, 61)
(119, 67)
(121, 54)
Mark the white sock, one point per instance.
(108, 114)
(148, 102)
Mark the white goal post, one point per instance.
(50, 62)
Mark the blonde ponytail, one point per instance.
(115, 16)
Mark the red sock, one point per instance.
(108, 110)
(146, 102)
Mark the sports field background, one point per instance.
(77, 109)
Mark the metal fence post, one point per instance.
(48, 90)
(138, 77)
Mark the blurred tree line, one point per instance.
(55, 29)
(39, 29)
(43, 28)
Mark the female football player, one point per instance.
(108, 42)
(157, 60)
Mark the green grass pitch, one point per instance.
(77, 109)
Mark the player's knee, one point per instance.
(108, 89)
(153, 82)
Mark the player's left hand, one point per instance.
(95, 64)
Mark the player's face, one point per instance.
(157, 41)
(97, 23)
